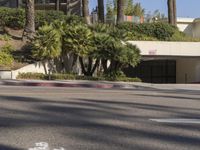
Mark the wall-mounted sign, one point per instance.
(153, 52)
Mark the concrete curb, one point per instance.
(66, 84)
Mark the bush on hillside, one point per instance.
(160, 31)
(13, 18)
(5, 37)
(6, 58)
(43, 16)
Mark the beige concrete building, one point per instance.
(170, 62)
(190, 26)
(167, 62)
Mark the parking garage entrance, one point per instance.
(154, 71)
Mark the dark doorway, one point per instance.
(155, 71)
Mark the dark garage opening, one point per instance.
(154, 71)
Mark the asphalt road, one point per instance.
(96, 119)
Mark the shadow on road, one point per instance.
(102, 121)
(4, 147)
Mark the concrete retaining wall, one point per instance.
(34, 68)
(5, 74)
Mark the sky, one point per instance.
(185, 8)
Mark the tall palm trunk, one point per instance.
(172, 17)
(101, 10)
(57, 5)
(170, 11)
(85, 11)
(175, 12)
(29, 30)
(120, 11)
(17, 3)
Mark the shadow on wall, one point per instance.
(189, 30)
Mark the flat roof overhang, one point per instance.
(168, 49)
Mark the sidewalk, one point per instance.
(100, 84)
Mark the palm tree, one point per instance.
(29, 29)
(172, 11)
(120, 11)
(175, 12)
(101, 11)
(81, 46)
(85, 11)
(47, 46)
(138, 10)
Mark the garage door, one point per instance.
(156, 71)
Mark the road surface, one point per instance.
(97, 119)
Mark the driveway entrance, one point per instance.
(154, 71)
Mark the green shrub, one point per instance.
(74, 19)
(40, 76)
(63, 77)
(37, 76)
(160, 31)
(43, 17)
(13, 18)
(5, 37)
(6, 60)
(7, 48)
(126, 79)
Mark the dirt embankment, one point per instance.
(16, 38)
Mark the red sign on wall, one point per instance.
(152, 52)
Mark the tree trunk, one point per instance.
(82, 65)
(29, 30)
(57, 5)
(95, 66)
(67, 11)
(90, 68)
(45, 68)
(17, 3)
(101, 11)
(170, 12)
(120, 11)
(175, 12)
(104, 65)
(85, 11)
(51, 68)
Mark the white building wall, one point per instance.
(160, 48)
(187, 70)
(196, 29)
(34, 68)
(5, 74)
(187, 55)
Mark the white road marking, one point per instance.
(186, 121)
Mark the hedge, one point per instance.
(15, 18)
(160, 31)
(44, 16)
(40, 76)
